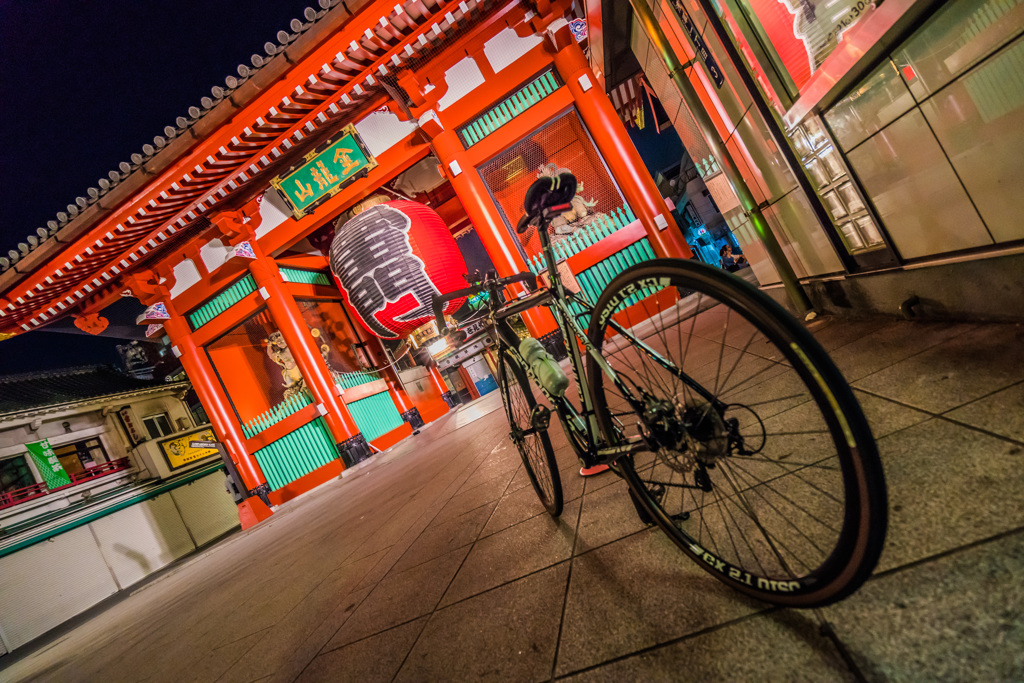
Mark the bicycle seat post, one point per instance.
(549, 254)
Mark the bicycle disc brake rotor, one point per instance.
(686, 433)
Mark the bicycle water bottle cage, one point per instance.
(549, 192)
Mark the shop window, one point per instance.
(15, 474)
(158, 425)
(195, 408)
(81, 455)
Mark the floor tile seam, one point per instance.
(241, 638)
(528, 574)
(430, 615)
(523, 521)
(431, 520)
(673, 641)
(981, 430)
(480, 534)
(430, 523)
(906, 358)
(944, 416)
(565, 592)
(1011, 385)
(331, 636)
(242, 654)
(946, 553)
(941, 414)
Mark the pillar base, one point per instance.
(354, 450)
(554, 344)
(412, 416)
(252, 511)
(262, 492)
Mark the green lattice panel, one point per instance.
(305, 277)
(347, 380)
(290, 406)
(497, 116)
(222, 302)
(375, 415)
(297, 453)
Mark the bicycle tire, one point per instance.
(534, 446)
(739, 433)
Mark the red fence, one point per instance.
(22, 495)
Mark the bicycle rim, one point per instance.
(761, 465)
(534, 445)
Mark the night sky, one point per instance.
(83, 85)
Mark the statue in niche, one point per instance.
(580, 216)
(279, 352)
(291, 376)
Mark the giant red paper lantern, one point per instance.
(390, 261)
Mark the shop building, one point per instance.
(880, 144)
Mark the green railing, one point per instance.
(593, 279)
(222, 302)
(305, 277)
(279, 412)
(297, 453)
(497, 116)
(347, 380)
(375, 415)
(586, 237)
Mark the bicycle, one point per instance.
(749, 451)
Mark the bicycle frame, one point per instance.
(588, 444)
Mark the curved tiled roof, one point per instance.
(181, 126)
(35, 390)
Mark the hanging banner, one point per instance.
(48, 465)
(805, 32)
(324, 172)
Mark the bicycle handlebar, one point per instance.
(491, 285)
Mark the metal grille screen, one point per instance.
(563, 144)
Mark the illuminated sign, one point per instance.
(323, 173)
(178, 450)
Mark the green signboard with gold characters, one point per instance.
(324, 172)
(179, 453)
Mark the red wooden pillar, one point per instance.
(476, 200)
(438, 381)
(288, 318)
(618, 150)
(211, 394)
(208, 388)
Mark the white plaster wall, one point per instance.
(50, 582)
(214, 253)
(206, 507)
(382, 130)
(140, 539)
(186, 274)
(463, 78)
(273, 212)
(506, 47)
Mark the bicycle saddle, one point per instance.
(547, 193)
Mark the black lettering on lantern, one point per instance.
(375, 263)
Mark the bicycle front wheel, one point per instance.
(529, 433)
(758, 461)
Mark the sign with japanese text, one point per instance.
(699, 46)
(324, 172)
(179, 451)
(804, 33)
(49, 466)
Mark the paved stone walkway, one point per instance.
(435, 561)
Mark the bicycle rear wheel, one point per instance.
(758, 463)
(529, 433)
